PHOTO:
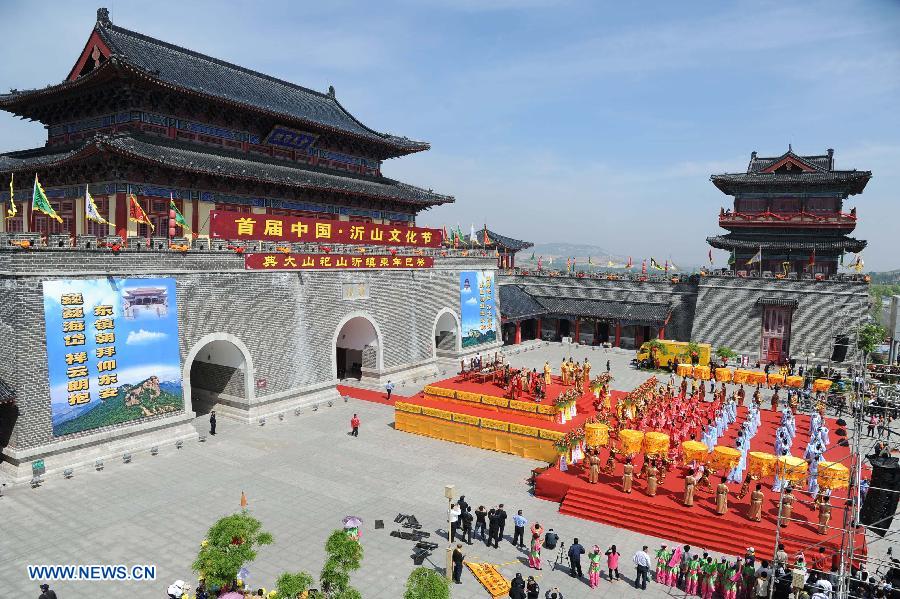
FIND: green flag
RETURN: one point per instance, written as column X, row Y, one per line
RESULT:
column 731, row 258
column 179, row 217
column 532, row 255
column 40, row 202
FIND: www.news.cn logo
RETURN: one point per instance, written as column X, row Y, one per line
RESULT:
column 95, row 572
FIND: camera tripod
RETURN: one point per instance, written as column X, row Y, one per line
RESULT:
column 560, row 556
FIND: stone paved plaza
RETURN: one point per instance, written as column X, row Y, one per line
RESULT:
column 301, row 476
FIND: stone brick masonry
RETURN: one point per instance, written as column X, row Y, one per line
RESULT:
column 285, row 323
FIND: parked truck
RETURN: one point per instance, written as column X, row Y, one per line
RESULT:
column 668, row 351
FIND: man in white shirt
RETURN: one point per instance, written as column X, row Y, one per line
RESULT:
column 453, row 518
column 642, row 563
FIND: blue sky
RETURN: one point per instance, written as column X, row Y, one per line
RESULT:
column 555, row 120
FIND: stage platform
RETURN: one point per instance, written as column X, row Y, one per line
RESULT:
column 495, row 427
column 699, row 526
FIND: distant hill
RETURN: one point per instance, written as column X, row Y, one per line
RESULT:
column 132, row 403
column 477, row 338
column 600, row 257
column 888, row 277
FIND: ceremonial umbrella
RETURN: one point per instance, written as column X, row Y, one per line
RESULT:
column 232, row 595
column 352, row 522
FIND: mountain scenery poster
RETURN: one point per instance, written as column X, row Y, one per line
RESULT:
column 112, row 351
column 478, row 308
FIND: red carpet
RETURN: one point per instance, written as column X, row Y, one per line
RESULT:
column 369, row 395
column 664, row 516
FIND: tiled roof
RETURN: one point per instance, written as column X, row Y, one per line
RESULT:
column 844, row 244
column 625, row 310
column 183, row 69
column 516, row 303
column 496, row 241
column 190, row 158
column 821, row 162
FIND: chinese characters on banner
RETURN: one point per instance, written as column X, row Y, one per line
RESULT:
column 235, row 226
column 278, row 261
column 477, row 306
column 112, row 351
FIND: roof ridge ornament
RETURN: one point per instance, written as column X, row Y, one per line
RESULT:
column 103, row 19
column 331, row 91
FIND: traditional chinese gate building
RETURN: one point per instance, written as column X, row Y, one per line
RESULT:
column 140, row 118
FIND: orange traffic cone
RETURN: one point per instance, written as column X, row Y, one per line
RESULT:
column 243, row 500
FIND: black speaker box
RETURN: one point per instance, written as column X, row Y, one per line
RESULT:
column 880, row 504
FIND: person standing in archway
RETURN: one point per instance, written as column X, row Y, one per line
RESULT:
column 354, row 425
column 212, row 422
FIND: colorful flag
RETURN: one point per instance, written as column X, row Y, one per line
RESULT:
column 532, row 255
column 487, row 240
column 590, row 261
column 540, row 261
column 644, row 266
column 655, row 264
column 40, row 202
column 858, row 265
column 812, row 258
column 550, row 260
column 136, row 214
column 179, row 217
column 445, row 236
column 842, row 258
column 757, row 257
column 90, row 209
column 12, row 210
column 731, row 258
column 710, row 257
column 472, row 237
column 630, row 263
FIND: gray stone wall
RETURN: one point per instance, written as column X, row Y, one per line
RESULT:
column 284, row 322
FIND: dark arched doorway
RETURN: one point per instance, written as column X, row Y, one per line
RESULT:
column 356, row 348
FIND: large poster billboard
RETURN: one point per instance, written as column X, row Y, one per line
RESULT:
column 478, row 308
column 112, row 351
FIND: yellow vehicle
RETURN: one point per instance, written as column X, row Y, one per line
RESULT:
column 668, row 351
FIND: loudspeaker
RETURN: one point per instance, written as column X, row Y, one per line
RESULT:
column 379, row 524
column 841, row 344
column 880, row 503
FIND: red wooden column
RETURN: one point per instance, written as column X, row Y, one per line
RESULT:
column 539, row 329
column 121, row 214
column 577, row 330
column 518, row 333
column 662, row 332
column 618, row 334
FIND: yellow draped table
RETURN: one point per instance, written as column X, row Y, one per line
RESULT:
column 630, row 441
column 776, row 379
column 756, row 378
column 656, row 443
column 833, row 475
column 596, row 434
column 701, row 372
column 740, row 376
column 684, row 369
column 724, row 458
column 821, row 385
column 723, row 375
column 794, row 381
column 694, row 451
column 791, row 468
column 760, row 464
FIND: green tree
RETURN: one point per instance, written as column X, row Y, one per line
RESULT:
column 344, row 555
column 288, row 585
column 870, row 336
column 726, row 352
column 693, row 352
column 425, row 583
column 230, row 543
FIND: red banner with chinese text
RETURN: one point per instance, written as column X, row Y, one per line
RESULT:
column 279, row 261
column 269, row 227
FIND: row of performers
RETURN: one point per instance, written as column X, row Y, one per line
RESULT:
column 518, row 382
column 655, row 469
column 792, row 395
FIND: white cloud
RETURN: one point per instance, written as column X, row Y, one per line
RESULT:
column 143, row 337
column 94, row 292
column 472, row 301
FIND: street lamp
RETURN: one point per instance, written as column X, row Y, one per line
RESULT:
column 449, row 493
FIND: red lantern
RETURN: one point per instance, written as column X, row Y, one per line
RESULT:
column 171, row 223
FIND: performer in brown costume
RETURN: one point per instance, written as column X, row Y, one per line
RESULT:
column 824, row 516
column 690, row 482
column 756, row 502
column 627, row 475
column 722, row 497
column 787, row 506
column 651, row 479
column 594, row 462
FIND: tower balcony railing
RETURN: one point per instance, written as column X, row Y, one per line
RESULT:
column 727, row 218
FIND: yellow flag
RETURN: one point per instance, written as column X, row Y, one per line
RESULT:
column 12, row 210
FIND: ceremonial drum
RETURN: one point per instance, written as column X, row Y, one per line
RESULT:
column 760, row 464
column 656, row 443
column 791, row 468
column 630, row 441
column 776, row 379
column 794, row 381
column 756, row 378
column 684, row 369
column 701, row 372
column 724, row 458
column 821, row 385
column 740, row 376
column 596, row 434
column 694, row 451
column 833, row 475
column 723, row 375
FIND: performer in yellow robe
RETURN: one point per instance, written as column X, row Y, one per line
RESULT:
column 548, row 372
column 564, row 372
column 587, row 373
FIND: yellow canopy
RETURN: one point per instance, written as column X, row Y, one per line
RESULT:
column 791, row 468
column 657, row 443
column 630, row 441
column 596, row 434
column 694, row 451
column 833, row 475
column 760, row 464
column 724, row 458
